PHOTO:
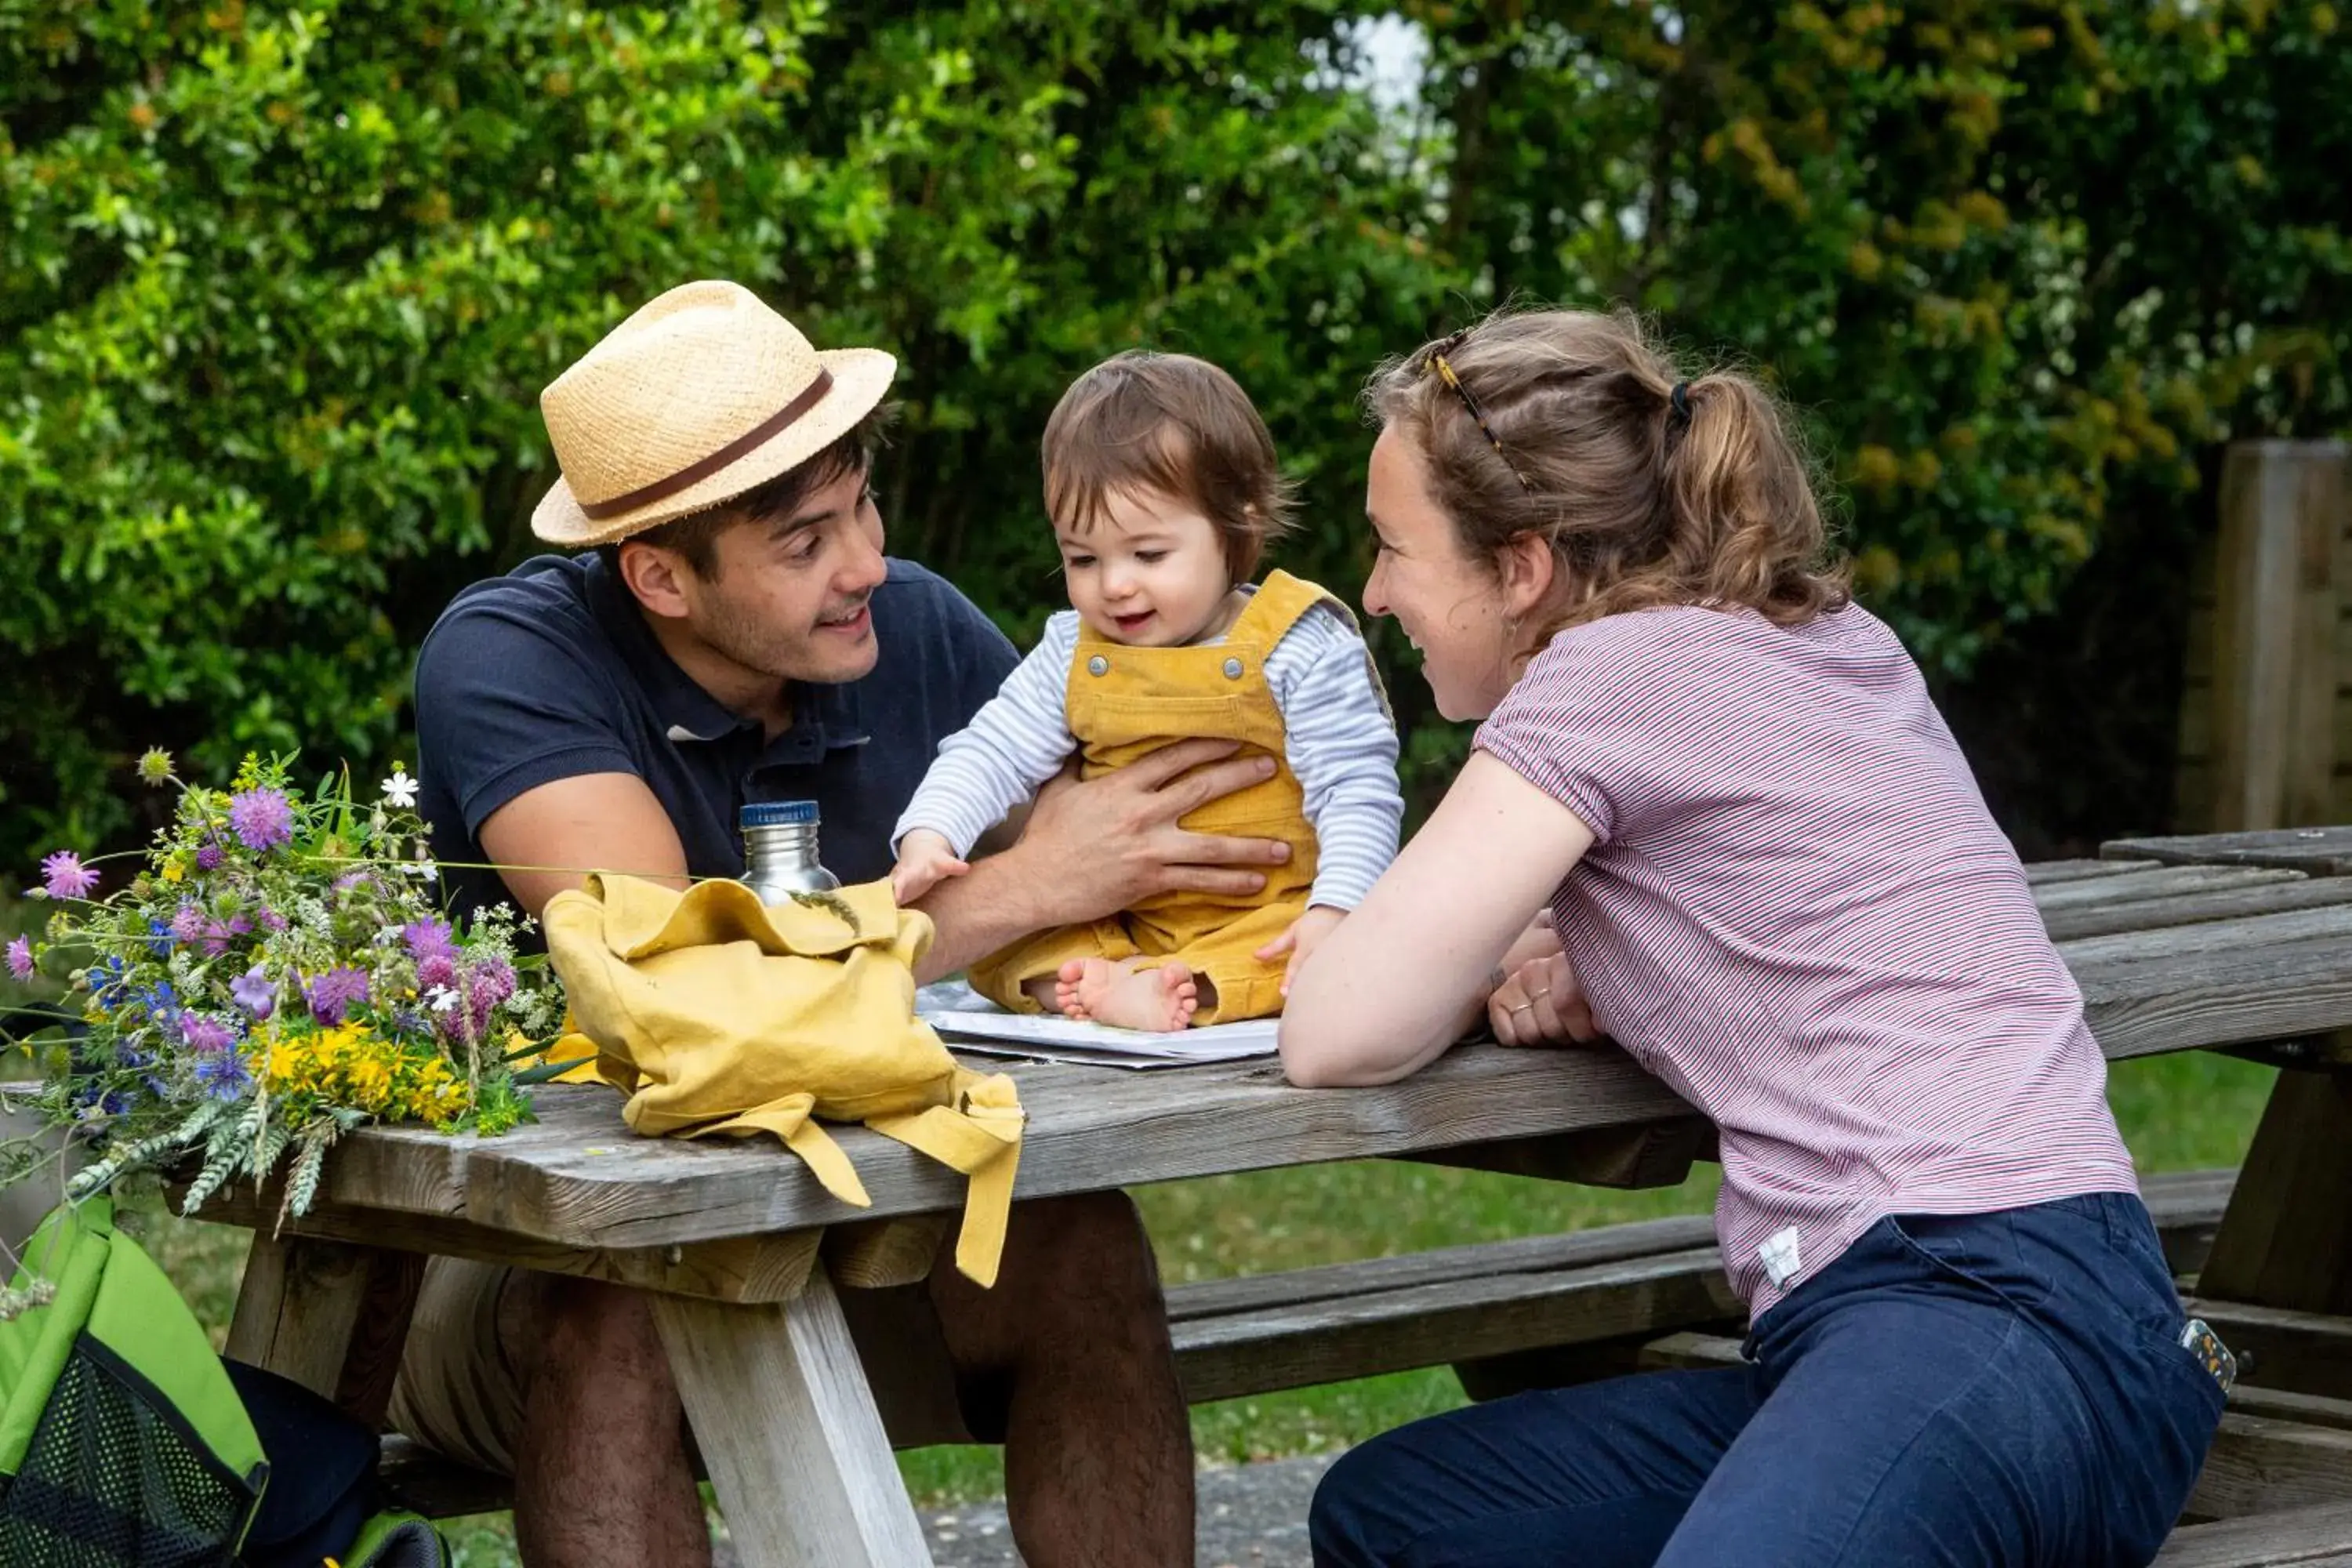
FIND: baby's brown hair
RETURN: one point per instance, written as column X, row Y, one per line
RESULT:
column 1171, row 423
column 1651, row 490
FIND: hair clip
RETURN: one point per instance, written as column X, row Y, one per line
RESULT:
column 1433, row 358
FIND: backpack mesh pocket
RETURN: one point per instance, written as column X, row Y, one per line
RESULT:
column 115, row 1479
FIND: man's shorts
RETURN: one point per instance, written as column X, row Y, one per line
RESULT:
column 460, row 1394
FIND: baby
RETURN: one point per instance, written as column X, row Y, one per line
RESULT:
column 1161, row 483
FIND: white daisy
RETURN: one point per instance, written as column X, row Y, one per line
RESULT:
column 400, row 789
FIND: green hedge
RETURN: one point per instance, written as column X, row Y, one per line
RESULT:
column 282, row 286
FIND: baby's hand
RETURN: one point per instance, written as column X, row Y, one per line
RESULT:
column 1305, row 933
column 925, row 861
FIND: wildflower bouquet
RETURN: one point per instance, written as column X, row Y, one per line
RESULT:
column 276, row 974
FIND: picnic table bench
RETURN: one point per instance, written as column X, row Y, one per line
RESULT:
column 2238, row 943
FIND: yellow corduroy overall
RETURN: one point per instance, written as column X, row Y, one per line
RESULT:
column 1128, row 703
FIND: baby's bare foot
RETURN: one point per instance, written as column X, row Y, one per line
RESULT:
column 1137, row 993
column 1078, row 978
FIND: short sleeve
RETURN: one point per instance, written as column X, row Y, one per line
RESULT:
column 983, row 655
column 502, row 708
column 1598, row 716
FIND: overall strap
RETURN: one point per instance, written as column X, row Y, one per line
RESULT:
column 1277, row 606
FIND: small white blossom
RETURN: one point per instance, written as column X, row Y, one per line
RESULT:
column 400, row 789
column 423, row 870
column 441, row 998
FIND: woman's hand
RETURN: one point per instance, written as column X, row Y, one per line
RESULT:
column 1541, row 1002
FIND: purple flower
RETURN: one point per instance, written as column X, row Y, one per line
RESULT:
column 486, row 985
column 187, row 924
column 255, row 992
column 20, row 958
column 429, row 938
column 205, row 1034
column 208, row 857
column 261, row 818
column 218, row 934
column 272, row 920
column 65, row 876
column 336, row 993
column 436, row 973
column 223, row 1075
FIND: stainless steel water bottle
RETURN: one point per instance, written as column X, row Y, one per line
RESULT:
column 780, row 849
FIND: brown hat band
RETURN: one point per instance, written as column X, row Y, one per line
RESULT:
column 695, row 473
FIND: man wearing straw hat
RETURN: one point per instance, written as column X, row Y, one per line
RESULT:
column 732, row 630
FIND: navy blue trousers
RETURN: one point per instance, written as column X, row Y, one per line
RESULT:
column 2000, row 1389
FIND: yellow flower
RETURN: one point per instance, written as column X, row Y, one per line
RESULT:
column 173, row 871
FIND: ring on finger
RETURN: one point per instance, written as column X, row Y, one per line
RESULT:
column 1522, row 1007
column 1535, row 997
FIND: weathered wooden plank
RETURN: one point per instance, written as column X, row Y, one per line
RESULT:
column 2219, row 947
column 1653, row 1154
column 2317, row 1537
column 298, row 1307
column 2196, row 908
column 802, row 1468
column 2313, row 851
column 731, row 1269
column 2310, row 1353
column 2286, row 1240
column 874, row 1254
column 1567, row 1252
column 2258, row 1466
column 2040, row 874
column 1088, row 1131
column 2185, row 1205
column 2218, row 982
column 2162, row 882
column 582, row 1179
column 1360, row 1336
column 2282, row 505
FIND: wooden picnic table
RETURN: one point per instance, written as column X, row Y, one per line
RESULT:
column 2241, row 941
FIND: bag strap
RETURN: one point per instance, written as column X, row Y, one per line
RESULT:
column 979, row 1135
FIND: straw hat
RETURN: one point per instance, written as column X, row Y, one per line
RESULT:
column 702, row 394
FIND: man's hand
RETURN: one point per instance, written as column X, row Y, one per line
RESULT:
column 925, row 861
column 1300, row 941
column 1113, row 841
column 1092, row 849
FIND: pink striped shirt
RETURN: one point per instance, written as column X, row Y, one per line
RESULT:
column 1798, row 912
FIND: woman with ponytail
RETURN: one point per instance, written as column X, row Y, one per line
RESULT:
column 1712, row 813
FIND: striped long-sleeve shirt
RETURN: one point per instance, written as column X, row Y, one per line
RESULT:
column 1798, row 913
column 1341, row 746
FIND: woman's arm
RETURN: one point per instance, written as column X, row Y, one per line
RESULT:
column 1405, row 974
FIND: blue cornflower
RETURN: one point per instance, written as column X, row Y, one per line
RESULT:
column 223, row 1075
column 107, row 981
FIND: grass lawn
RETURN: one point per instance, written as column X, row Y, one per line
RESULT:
column 2178, row 1112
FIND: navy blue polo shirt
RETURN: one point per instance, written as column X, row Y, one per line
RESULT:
column 550, row 672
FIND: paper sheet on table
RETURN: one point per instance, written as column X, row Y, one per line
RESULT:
column 969, row 1022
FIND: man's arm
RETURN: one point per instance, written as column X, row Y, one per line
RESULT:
column 552, row 836
column 1094, row 849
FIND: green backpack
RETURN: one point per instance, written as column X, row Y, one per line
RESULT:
column 124, row 1441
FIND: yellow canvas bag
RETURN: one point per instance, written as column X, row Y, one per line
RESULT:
column 716, row 1014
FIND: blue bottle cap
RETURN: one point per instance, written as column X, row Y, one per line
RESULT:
column 776, row 812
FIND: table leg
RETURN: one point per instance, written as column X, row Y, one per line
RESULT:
column 2285, row 1239
column 789, row 1430
column 298, row 1308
